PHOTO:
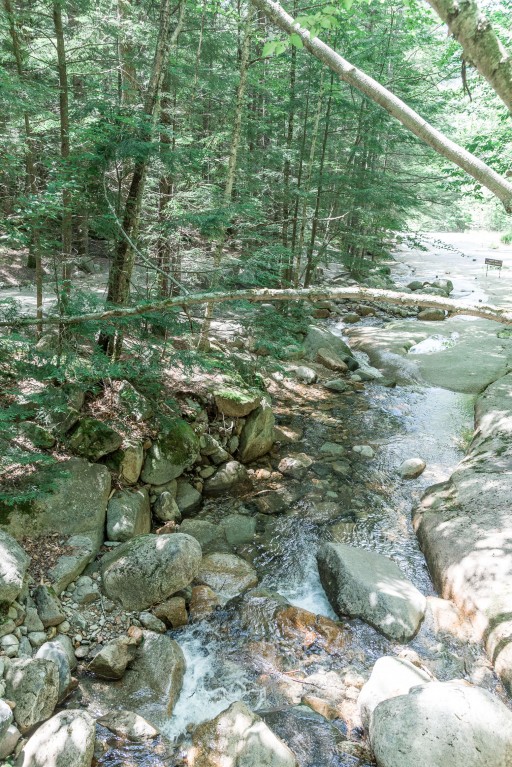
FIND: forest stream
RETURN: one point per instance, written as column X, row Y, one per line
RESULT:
column 238, row 653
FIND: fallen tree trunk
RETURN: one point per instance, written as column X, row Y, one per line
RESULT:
column 479, row 170
column 262, row 295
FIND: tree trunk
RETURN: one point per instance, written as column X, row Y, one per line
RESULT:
column 314, row 225
column 232, row 166
column 480, row 44
column 122, row 266
column 265, row 295
column 67, row 219
column 34, row 256
column 448, row 149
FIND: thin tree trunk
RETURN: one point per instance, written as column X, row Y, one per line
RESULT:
column 314, row 225
column 34, row 256
column 309, row 173
column 67, row 218
column 232, row 167
column 444, row 146
column 122, row 266
column 288, row 164
column 480, row 43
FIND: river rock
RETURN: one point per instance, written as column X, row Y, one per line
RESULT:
column 128, row 725
column 257, row 436
column 127, row 462
column 415, row 285
column 412, row 468
column 363, row 584
column 351, row 318
column 173, row 612
column 238, row 529
column 128, row 515
column 390, row 677
column 55, row 652
column 92, row 439
column 203, row 602
column 150, row 568
column 330, row 360
column 210, row 536
column 151, row 684
column 213, row 450
column 13, row 568
column 441, row 724
column 229, row 476
column 65, row 642
column 337, row 385
column 295, row 465
column 9, row 741
column 66, row 740
column 86, row 591
column 238, row 738
column 464, row 527
column 305, row 374
column 33, row 685
column 112, row 660
column 321, row 338
column 76, row 506
column 166, row 509
column 432, row 315
column 236, row 403
column 227, row 574
column 445, row 285
column 187, row 497
column 176, row 449
column 6, row 719
column 48, row 606
column 366, row 451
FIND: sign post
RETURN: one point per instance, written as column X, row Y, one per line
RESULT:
column 494, row 263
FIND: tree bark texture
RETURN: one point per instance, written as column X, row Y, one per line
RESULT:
column 480, row 44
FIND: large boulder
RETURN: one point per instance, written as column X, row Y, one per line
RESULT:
column 230, row 476
column 66, row 740
column 238, row 738
column 5, row 719
column 127, row 461
column 188, row 498
column 257, row 435
column 464, row 527
column 112, row 660
column 128, row 515
column 150, row 686
column 363, row 584
column 13, row 568
column 92, row 439
column 227, row 574
column 150, row 568
column 442, row 724
column 76, row 506
column 33, row 685
column 321, row 338
column 390, row 677
column 175, row 450
column 236, row 403
column 55, row 652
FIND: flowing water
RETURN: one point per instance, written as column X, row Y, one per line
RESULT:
column 361, row 501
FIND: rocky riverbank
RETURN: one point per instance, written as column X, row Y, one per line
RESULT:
column 206, row 531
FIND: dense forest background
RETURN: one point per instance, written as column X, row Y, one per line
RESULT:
column 151, row 149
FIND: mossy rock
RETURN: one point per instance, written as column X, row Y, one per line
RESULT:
column 134, row 403
column 92, row 439
column 175, row 450
column 236, row 403
column 38, row 435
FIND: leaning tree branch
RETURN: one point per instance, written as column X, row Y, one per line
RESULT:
column 259, row 295
column 376, row 92
column 480, row 43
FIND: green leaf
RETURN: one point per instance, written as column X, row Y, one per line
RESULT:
column 296, row 41
column 269, row 48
